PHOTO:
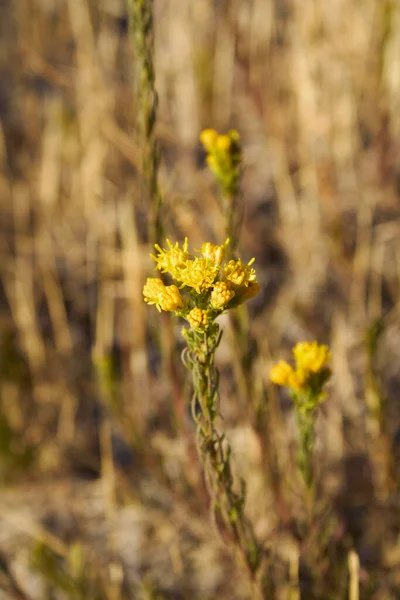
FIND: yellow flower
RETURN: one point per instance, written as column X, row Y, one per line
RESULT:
column 199, row 274
column 223, row 143
column 240, row 274
column 170, row 261
column 212, row 283
column 165, row 297
column 281, row 373
column 172, row 298
column 213, row 252
column 221, row 294
column 311, row 357
column 213, row 163
column 251, row 290
column 310, row 375
column 197, row 318
column 208, row 138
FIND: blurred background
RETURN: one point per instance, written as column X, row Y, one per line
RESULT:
column 101, row 493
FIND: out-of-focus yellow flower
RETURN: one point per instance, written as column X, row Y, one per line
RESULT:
column 199, row 274
column 240, row 274
column 213, row 163
column 221, row 294
column 213, row 252
column 223, row 158
column 223, row 143
column 281, row 373
column 249, row 291
column 170, row 261
column 198, row 318
column 165, row 297
column 208, row 138
column 310, row 356
column 311, row 372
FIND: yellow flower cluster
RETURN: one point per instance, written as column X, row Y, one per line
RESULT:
column 222, row 294
column 173, row 259
column 199, row 274
column 223, row 157
column 238, row 273
column 198, row 318
column 311, row 363
column 310, row 356
column 213, row 252
column 211, row 285
column 165, row 297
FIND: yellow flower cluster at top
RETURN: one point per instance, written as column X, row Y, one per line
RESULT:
column 311, row 372
column 223, row 158
column 209, row 284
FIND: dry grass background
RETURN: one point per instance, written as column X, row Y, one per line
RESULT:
column 101, row 493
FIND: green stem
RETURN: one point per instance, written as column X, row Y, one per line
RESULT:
column 306, row 426
column 213, row 449
column 142, row 35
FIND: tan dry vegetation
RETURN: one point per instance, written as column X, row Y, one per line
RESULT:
column 96, row 441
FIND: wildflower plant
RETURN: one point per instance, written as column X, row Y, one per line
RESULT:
column 306, row 383
column 224, row 159
column 204, row 286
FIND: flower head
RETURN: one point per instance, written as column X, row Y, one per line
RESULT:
column 249, row 291
column 213, row 252
column 208, row 138
column 309, row 376
column 171, row 260
column 198, row 318
column 238, row 273
column 222, row 294
column 213, row 163
column 199, row 274
column 223, row 143
column 223, row 158
column 205, row 282
column 311, row 357
column 281, row 373
column 165, row 297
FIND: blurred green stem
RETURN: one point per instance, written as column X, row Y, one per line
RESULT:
column 306, row 427
column 142, row 35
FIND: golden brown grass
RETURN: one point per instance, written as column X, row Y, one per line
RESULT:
column 96, row 439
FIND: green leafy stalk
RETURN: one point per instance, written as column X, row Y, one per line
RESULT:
column 142, row 36
column 213, row 448
column 306, row 428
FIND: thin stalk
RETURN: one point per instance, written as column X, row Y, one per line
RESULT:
column 233, row 218
column 213, row 449
column 306, row 427
column 142, row 35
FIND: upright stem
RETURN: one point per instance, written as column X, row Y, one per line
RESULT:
column 142, row 36
column 306, row 424
column 213, row 449
column 230, row 206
